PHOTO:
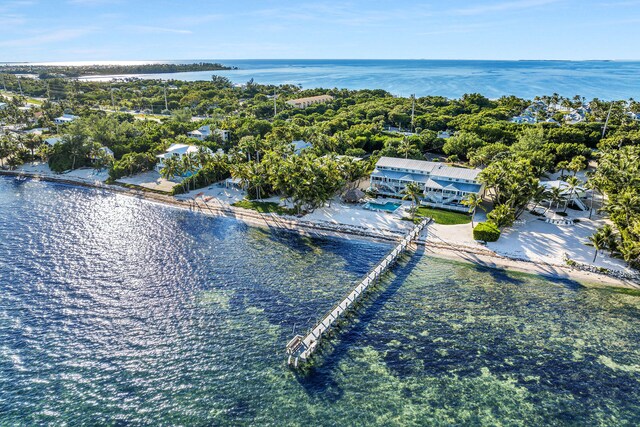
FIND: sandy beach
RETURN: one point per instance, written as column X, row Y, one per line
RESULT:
column 520, row 253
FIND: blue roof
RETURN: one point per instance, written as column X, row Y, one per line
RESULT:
column 439, row 183
column 460, row 186
column 400, row 175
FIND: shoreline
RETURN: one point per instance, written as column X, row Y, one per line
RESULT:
column 484, row 258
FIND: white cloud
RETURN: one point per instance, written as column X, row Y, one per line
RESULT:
column 92, row 2
column 46, row 38
column 502, row 7
column 197, row 20
column 9, row 21
column 151, row 29
column 622, row 3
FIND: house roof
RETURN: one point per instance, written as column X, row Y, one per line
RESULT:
column 318, row 98
column 66, row 117
column 107, row 150
column 179, row 150
column 300, row 145
column 52, row 141
column 433, row 169
column 562, row 185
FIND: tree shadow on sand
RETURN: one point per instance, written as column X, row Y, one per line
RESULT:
column 503, row 275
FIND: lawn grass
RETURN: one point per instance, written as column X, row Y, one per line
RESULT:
column 444, row 217
column 264, row 207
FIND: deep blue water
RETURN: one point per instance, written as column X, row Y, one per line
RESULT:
column 451, row 78
column 118, row 311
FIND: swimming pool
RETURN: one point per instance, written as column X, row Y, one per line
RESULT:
column 387, row 207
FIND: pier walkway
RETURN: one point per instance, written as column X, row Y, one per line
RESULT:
column 301, row 348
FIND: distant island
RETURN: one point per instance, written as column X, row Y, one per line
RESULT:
column 55, row 71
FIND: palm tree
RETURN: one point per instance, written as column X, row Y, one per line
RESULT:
column 609, row 238
column 7, row 149
column 502, row 216
column 31, row 142
column 555, row 196
column 630, row 251
column 540, row 193
column 170, row 168
column 627, row 204
column 189, row 166
column 203, row 156
column 413, row 192
column 572, row 184
column 598, row 242
column 405, row 147
column 593, row 183
column 473, row 202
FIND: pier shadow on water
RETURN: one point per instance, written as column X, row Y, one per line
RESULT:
column 317, row 377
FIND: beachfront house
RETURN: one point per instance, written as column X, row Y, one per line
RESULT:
column 633, row 116
column 524, row 119
column 311, row 100
column 573, row 117
column 65, row 118
column 445, row 134
column 35, row 131
column 103, row 155
column 53, row 141
column 573, row 197
column 204, row 132
column 177, row 151
column 443, row 186
column 299, row 146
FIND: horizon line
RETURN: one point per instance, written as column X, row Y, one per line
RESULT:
column 94, row 61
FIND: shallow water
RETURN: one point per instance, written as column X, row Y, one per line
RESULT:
column 115, row 310
column 451, row 78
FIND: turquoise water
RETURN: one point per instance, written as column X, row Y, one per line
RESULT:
column 451, row 78
column 388, row 206
column 117, row 311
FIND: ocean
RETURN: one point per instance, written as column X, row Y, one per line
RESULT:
column 607, row 80
column 119, row 311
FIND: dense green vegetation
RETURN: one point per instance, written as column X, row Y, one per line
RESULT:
column 514, row 157
column 618, row 177
column 486, row 232
column 53, row 71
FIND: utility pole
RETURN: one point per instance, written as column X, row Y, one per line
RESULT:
column 275, row 104
column 20, row 86
column 166, row 104
column 48, row 92
column 606, row 122
column 113, row 103
column 3, row 84
column 413, row 112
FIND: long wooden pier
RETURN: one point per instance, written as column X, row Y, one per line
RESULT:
column 301, row 348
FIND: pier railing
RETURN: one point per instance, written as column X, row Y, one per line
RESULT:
column 300, row 348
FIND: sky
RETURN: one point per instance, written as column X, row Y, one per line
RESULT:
column 93, row 30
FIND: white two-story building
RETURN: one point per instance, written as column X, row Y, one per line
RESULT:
column 65, row 118
column 204, row 132
column 443, row 186
column 177, row 151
